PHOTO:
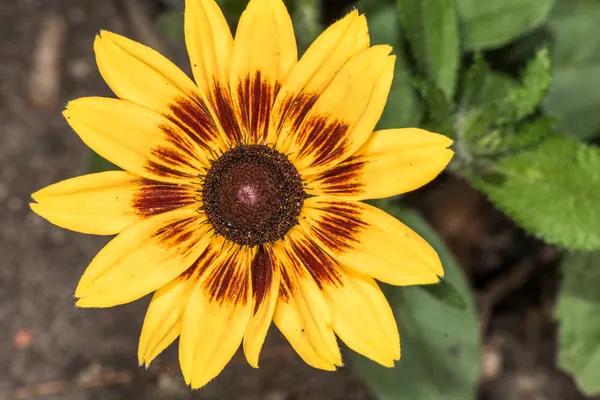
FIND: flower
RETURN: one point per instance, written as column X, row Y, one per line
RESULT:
column 239, row 203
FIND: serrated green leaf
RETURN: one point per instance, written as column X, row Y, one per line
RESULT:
column 491, row 106
column 535, row 81
column 480, row 105
column 511, row 139
column 431, row 29
column 492, row 24
column 99, row 164
column 440, row 342
column 438, row 109
column 552, row 190
column 578, row 315
column 473, row 80
column 574, row 97
column 403, row 107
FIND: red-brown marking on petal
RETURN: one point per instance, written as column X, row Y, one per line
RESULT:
column 294, row 109
column 286, row 285
column 178, row 233
column 262, row 269
column 172, row 159
column 340, row 226
column 343, row 178
column 154, row 197
column 164, row 171
column 228, row 282
column 256, row 96
column 317, row 262
column 322, row 136
column 226, row 113
column 207, row 257
column 192, row 115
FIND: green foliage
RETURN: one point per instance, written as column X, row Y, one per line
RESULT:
column 170, row 24
column 98, row 164
column 403, row 108
column 552, row 190
column 491, row 24
column 492, row 107
column 307, row 24
column 440, row 339
column 523, row 100
column 578, row 315
column 575, row 96
column 439, row 109
column 431, row 29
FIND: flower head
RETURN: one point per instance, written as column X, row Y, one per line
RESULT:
column 239, row 203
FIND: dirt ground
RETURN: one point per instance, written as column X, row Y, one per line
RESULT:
column 51, row 350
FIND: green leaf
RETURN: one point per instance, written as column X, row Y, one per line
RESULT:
column 480, row 107
column 232, row 9
column 535, row 81
column 551, row 190
column 447, row 293
column 98, row 164
column 578, row 315
column 171, row 24
column 511, row 139
column 403, row 107
column 439, row 110
column 431, row 28
column 491, row 106
column 574, row 97
column 440, row 342
column 491, row 24
column 307, row 25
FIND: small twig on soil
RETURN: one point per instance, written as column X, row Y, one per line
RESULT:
column 104, row 379
column 44, row 79
column 142, row 25
column 491, row 295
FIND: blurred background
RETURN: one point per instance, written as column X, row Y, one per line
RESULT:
column 509, row 280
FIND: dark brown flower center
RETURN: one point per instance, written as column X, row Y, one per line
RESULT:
column 252, row 194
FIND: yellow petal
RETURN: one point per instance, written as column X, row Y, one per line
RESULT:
column 144, row 257
column 302, row 314
column 325, row 56
column 98, row 204
column 139, row 74
column 360, row 313
column 341, row 118
column 216, row 317
column 162, row 324
column 362, row 317
column 265, row 290
column 368, row 240
column 143, row 76
column 315, row 70
column 264, row 41
column 392, row 162
column 209, row 43
column 264, row 52
column 136, row 139
column 107, row 202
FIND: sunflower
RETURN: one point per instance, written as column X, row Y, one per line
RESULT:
column 239, row 199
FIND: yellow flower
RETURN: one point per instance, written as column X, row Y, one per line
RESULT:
column 239, row 203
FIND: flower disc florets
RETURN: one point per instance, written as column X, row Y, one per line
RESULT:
column 252, row 195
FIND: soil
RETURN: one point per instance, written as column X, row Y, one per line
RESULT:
column 52, row 350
